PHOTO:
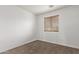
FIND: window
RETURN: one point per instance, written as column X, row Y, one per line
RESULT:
column 51, row 24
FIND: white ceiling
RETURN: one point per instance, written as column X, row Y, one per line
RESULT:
column 38, row 9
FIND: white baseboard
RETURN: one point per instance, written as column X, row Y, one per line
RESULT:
column 18, row 45
column 60, row 43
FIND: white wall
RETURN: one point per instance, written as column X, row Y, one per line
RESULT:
column 68, row 27
column 16, row 27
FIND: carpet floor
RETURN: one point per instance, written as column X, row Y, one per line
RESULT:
column 41, row 47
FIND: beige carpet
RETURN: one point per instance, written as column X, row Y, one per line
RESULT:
column 41, row 47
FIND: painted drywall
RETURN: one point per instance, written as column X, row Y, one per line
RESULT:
column 68, row 27
column 16, row 27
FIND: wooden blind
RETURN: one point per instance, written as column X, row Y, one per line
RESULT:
column 51, row 24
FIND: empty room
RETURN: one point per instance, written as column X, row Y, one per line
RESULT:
column 39, row 29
